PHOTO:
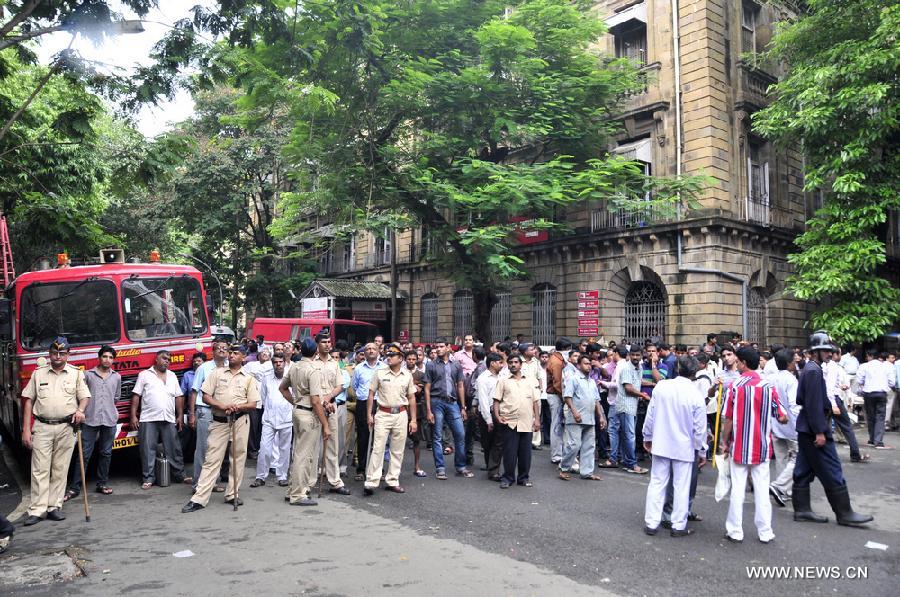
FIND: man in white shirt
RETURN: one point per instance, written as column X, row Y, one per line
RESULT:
column 484, row 392
column 836, row 385
column 675, row 434
column 784, row 434
column 277, row 427
column 157, row 394
column 875, row 378
column 259, row 369
column 531, row 367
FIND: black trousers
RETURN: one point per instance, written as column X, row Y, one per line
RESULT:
column 844, row 423
column 516, row 454
column 471, row 427
column 876, row 405
column 815, row 462
column 6, row 527
column 255, row 431
column 362, row 435
column 602, row 434
column 492, row 445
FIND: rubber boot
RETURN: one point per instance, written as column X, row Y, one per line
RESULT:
column 839, row 498
column 802, row 510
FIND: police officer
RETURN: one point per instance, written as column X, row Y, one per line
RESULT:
column 332, row 387
column 396, row 412
column 56, row 395
column 232, row 393
column 310, row 423
column 817, row 456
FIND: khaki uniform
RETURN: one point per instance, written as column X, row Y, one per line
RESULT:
column 394, row 390
column 331, row 378
column 54, row 395
column 228, row 387
column 305, row 381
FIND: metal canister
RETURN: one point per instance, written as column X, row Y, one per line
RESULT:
column 163, row 473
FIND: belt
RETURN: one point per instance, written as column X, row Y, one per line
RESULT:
column 392, row 409
column 221, row 419
column 449, row 399
column 202, row 406
column 54, row 421
column 301, row 407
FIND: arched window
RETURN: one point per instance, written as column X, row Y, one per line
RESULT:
column 500, row 316
column 429, row 317
column 645, row 312
column 757, row 316
column 463, row 313
column 543, row 314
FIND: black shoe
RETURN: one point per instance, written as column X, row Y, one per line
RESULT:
column 32, row 520
column 305, row 502
column 340, row 490
column 666, row 524
column 258, row 483
column 55, row 515
column 191, row 507
column 732, row 539
column 495, row 478
column 368, row 491
column 802, row 510
column 779, row 497
column 230, row 502
column 283, row 483
column 681, row 533
column 839, row 499
column 651, row 532
column 504, row 484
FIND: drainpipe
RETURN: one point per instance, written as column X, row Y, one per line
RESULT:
column 676, row 53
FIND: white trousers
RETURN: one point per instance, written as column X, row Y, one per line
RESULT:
column 274, row 452
column 763, row 517
column 785, row 457
column 556, row 426
column 656, row 491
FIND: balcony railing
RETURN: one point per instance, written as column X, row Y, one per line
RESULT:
column 757, row 209
column 606, row 217
column 754, row 85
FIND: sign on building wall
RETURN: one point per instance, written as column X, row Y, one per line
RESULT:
column 369, row 310
column 315, row 308
column 588, row 313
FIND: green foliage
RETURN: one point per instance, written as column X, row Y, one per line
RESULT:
column 840, row 104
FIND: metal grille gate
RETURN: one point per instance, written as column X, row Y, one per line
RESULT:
column 500, row 316
column 463, row 313
column 645, row 312
column 757, row 316
column 429, row 317
column 543, row 314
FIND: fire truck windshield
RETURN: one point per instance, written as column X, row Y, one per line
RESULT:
column 163, row 307
column 84, row 311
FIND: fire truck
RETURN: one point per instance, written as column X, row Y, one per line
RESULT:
column 137, row 308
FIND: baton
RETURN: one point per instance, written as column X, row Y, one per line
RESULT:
column 87, row 508
column 322, row 466
column 233, row 461
column 716, row 432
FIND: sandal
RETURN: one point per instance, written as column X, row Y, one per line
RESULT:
column 863, row 458
column 609, row 464
column 637, row 470
column 70, row 494
column 104, row 490
column 420, row 473
column 258, row 482
column 564, row 475
column 441, row 476
column 465, row 473
column 448, row 450
column 146, row 485
column 359, row 477
column 593, row 478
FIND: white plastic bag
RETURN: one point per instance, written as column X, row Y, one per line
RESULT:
column 723, row 483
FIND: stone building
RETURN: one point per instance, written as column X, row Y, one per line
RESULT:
column 722, row 267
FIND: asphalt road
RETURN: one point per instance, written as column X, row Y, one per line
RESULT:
column 458, row 536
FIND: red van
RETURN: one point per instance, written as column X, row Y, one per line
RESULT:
column 282, row 329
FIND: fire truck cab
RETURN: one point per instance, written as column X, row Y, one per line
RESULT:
column 137, row 308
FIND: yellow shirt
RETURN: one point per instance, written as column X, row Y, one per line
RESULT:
column 55, row 394
column 517, row 397
column 229, row 387
column 393, row 389
column 305, row 381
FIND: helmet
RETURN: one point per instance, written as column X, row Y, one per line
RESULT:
column 819, row 340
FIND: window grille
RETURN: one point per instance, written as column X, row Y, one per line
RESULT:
column 543, row 314
column 500, row 316
column 463, row 313
column 632, row 43
column 645, row 312
column 757, row 316
column 429, row 317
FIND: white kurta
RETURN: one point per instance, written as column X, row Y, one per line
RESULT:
column 277, row 430
column 676, row 420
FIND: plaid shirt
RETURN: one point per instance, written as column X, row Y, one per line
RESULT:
column 752, row 403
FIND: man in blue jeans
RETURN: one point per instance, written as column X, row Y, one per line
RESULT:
column 445, row 397
column 628, row 394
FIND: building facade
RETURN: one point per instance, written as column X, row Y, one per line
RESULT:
column 634, row 275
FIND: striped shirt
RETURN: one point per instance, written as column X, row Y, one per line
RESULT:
column 752, row 403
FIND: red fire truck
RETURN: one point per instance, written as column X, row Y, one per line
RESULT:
column 137, row 308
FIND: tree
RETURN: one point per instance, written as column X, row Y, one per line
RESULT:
column 840, row 103
column 456, row 116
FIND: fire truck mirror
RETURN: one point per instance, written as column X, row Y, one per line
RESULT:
column 5, row 320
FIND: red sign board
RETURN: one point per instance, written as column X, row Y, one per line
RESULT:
column 404, row 336
column 589, row 304
column 589, row 294
column 588, row 313
column 587, row 332
column 589, row 322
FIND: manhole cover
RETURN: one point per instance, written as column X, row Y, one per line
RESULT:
column 41, row 568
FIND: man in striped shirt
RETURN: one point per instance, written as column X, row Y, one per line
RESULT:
column 747, row 437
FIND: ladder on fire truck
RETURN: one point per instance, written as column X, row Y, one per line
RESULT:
column 6, row 257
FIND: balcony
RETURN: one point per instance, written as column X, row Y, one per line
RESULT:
column 610, row 217
column 752, row 88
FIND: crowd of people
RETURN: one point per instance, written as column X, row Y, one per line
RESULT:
column 313, row 411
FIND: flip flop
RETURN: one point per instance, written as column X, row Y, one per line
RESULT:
column 564, row 475
column 609, row 464
column 104, row 490
column 70, row 495
column 593, row 478
column 421, row 473
column 146, row 485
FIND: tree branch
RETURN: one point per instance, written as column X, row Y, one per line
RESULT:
column 23, row 14
column 11, row 41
